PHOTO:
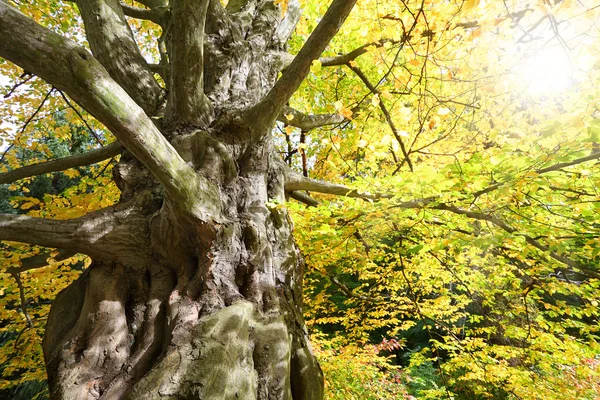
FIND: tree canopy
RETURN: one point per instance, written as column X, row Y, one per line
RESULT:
column 442, row 175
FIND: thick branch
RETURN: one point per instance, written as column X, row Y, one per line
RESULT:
column 73, row 70
column 155, row 15
column 62, row 164
column 264, row 114
column 112, row 43
column 294, row 182
column 154, row 3
column 307, row 122
column 187, row 102
column 116, row 233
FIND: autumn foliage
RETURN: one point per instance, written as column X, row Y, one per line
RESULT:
column 466, row 262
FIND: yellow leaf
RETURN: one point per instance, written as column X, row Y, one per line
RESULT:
column 315, row 66
column 288, row 130
column 470, row 4
column 345, row 112
column 289, row 117
column 27, row 206
column 71, row 173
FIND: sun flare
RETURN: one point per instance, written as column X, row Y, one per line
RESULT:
column 549, row 72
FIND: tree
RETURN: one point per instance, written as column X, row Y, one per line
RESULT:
column 195, row 283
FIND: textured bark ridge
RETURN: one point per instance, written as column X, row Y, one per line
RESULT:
column 195, row 290
column 215, row 313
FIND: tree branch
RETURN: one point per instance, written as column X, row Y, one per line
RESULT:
column 112, row 43
column 551, row 168
column 507, row 228
column 17, row 278
column 39, row 261
column 155, row 15
column 117, row 233
column 154, row 3
column 384, row 110
column 62, row 164
column 187, row 102
column 307, row 122
column 294, row 182
column 74, row 71
column 354, row 54
column 304, row 198
column 264, row 114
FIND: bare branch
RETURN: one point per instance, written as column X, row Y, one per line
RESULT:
column 116, row 233
column 39, row 261
column 89, row 128
column 354, row 54
column 62, row 164
column 264, row 114
column 37, row 110
column 187, row 102
column 155, row 15
column 384, row 110
column 556, row 167
column 112, row 43
column 307, row 122
column 77, row 73
column 551, row 168
column 507, row 228
column 26, row 78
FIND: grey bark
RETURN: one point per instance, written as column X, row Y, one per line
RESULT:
column 62, row 164
column 112, row 43
column 195, row 290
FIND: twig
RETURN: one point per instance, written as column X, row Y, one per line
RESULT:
column 81, row 118
column 23, row 300
column 12, row 90
column 27, row 122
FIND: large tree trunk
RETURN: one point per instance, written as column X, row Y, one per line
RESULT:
column 195, row 290
column 210, row 310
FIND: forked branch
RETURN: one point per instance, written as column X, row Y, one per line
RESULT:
column 78, row 73
column 112, row 43
column 264, row 114
column 354, row 54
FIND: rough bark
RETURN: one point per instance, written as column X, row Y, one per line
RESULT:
column 195, row 290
